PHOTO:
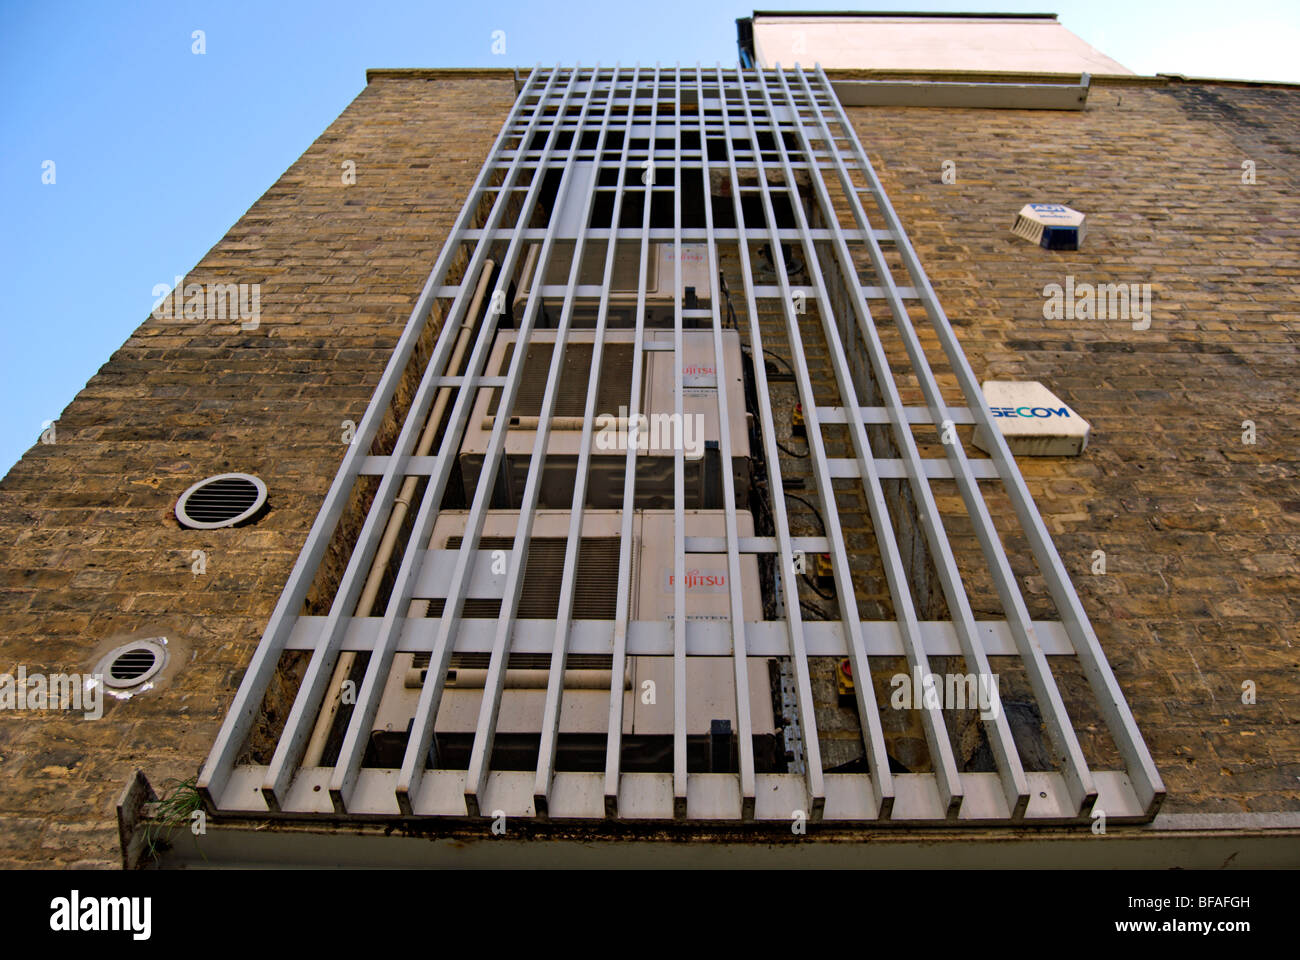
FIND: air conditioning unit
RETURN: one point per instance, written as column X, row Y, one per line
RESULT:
column 698, row 431
column 584, row 711
column 623, row 281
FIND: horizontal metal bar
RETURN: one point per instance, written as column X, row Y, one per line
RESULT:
column 648, row 797
column 744, row 160
column 919, row 415
column 665, row 234
column 935, row 469
column 773, row 292
column 756, row 545
column 590, row 291
column 414, row 466
column 459, row 381
column 704, row 638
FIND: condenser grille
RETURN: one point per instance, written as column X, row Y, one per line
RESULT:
column 596, row 579
column 475, row 608
column 571, row 397
column 756, row 181
column 623, row 276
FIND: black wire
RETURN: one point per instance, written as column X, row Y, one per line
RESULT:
column 792, row 453
column 810, row 506
column 781, row 446
column 772, row 356
column 726, row 293
column 782, row 360
column 812, row 585
column 808, row 579
column 779, row 359
column 821, row 614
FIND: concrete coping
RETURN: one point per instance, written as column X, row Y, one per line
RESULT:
column 970, row 76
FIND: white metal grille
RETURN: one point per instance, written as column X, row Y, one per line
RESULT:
column 755, row 179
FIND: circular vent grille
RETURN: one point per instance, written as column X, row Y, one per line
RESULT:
column 221, row 501
column 132, row 664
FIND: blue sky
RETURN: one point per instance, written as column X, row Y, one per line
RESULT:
column 158, row 151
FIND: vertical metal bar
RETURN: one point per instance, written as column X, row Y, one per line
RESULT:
column 412, row 770
column 739, row 656
column 1014, row 784
column 936, row 734
column 872, row 734
column 1056, row 720
column 614, row 743
column 564, row 611
column 494, row 686
column 679, row 472
column 347, row 766
column 234, row 730
column 1128, row 739
column 794, row 616
column 298, row 726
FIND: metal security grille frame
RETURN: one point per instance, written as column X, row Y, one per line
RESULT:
column 776, row 155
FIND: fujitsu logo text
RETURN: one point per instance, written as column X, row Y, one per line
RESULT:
column 700, row 579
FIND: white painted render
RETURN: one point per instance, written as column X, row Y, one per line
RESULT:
column 927, row 43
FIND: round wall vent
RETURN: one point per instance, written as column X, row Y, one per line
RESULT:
column 132, row 664
column 221, row 501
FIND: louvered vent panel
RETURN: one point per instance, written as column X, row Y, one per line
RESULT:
column 571, row 396
column 595, row 581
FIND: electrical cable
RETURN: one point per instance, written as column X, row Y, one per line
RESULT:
column 817, row 513
column 821, row 614
column 773, row 356
column 808, row 578
column 812, row 585
column 726, row 294
column 780, row 359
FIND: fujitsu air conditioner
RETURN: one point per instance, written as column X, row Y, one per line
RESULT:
column 658, row 433
column 584, row 706
column 623, row 280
